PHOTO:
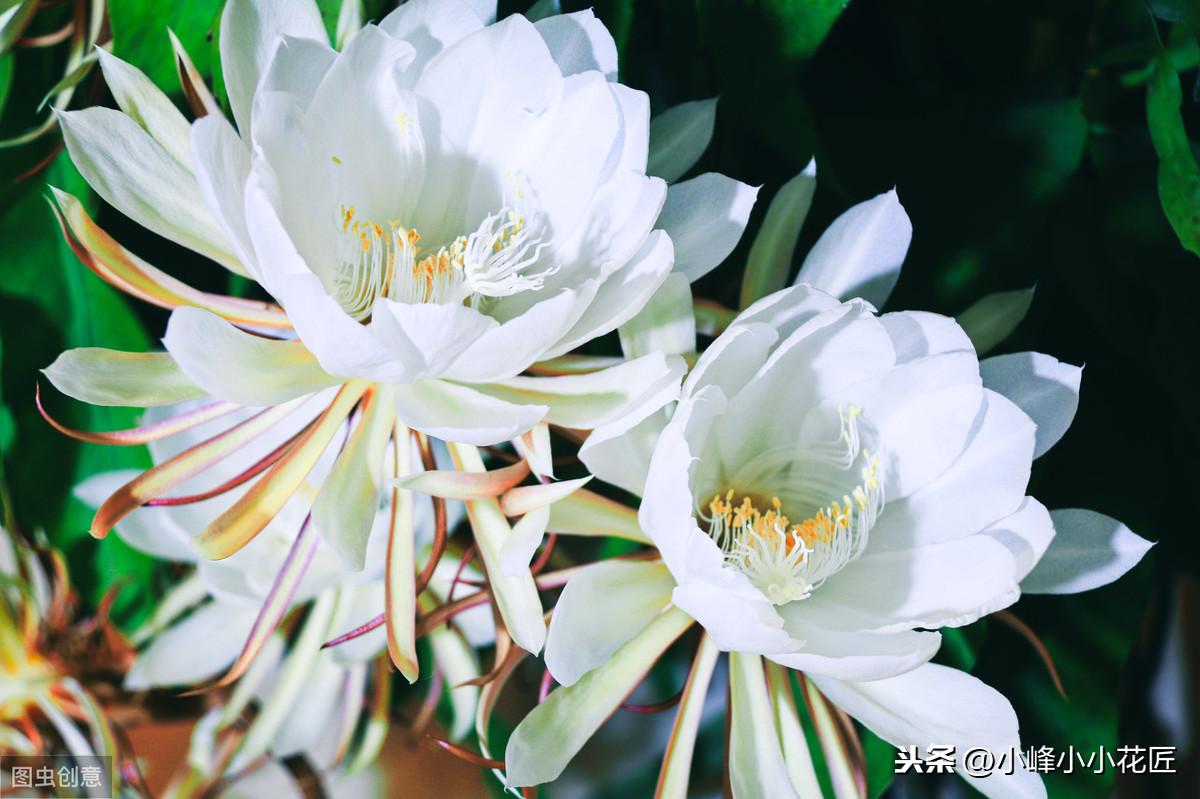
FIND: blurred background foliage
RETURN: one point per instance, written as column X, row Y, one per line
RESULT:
column 1033, row 144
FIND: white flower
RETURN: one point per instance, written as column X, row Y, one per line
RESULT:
column 438, row 206
column 832, row 487
column 436, row 209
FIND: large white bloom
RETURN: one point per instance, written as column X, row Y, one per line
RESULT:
column 438, row 206
column 832, row 487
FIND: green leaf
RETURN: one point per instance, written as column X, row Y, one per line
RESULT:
column 1178, row 172
column 139, row 30
column 50, row 302
column 6, row 78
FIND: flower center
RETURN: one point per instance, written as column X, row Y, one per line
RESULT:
column 788, row 560
column 376, row 260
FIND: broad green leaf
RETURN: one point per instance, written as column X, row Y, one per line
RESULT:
column 50, row 302
column 1178, row 172
column 139, row 31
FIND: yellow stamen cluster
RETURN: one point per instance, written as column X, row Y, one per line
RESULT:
column 786, row 561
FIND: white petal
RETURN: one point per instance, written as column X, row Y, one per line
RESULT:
column 380, row 157
column 786, row 310
column 679, row 136
column 667, row 323
column 990, row 320
column 860, row 254
column 141, row 179
column 833, row 351
column 348, row 501
column 918, row 334
column 457, row 413
column 619, row 453
column 756, row 766
column 430, row 26
column 602, row 607
column 439, row 334
column 579, row 42
column 312, row 717
column 941, row 585
column 583, row 140
column 666, row 513
column 734, row 358
column 509, row 349
column 622, row 294
column 736, row 623
column 296, row 68
column 1089, row 550
column 250, row 31
column 774, row 247
column 147, row 105
column 222, row 163
column 924, row 412
column 853, row 655
column 110, row 377
column 516, row 552
column 635, row 128
column 935, row 705
column 546, row 740
column 479, row 120
column 587, row 401
column 195, row 649
column 1026, row 533
column 986, row 483
column 705, row 217
column 237, row 366
column 1045, row 388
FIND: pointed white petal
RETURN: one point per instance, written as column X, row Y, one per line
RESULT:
column 993, row 317
column 679, row 136
column 935, row 705
column 110, row 377
column 579, row 42
column 250, row 32
column 860, row 254
column 143, row 180
column 1045, row 388
column 145, row 103
column 546, row 740
column 1089, row 550
column 705, row 218
column 756, row 766
column 602, row 607
column 237, row 366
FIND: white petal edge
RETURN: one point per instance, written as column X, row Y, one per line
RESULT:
column 1089, row 550
column 705, row 218
column 860, row 254
column 1044, row 387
